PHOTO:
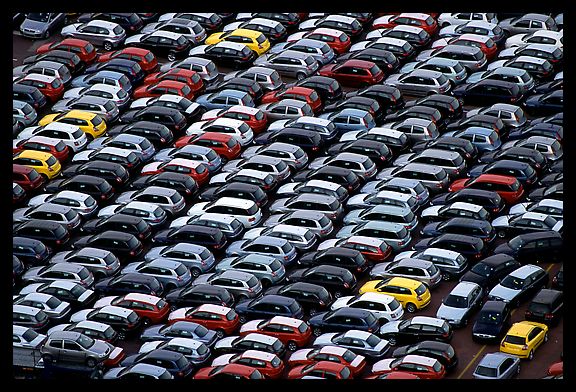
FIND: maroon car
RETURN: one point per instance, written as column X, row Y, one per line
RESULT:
column 354, row 73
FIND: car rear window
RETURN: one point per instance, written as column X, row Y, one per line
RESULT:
column 478, row 55
column 51, row 160
column 343, row 37
column 275, row 265
column 515, row 339
column 70, row 214
column 287, row 247
column 303, row 327
column 252, row 282
column 231, row 315
column 118, row 30
column 486, row 371
column 181, row 270
column 421, row 289
column 110, row 258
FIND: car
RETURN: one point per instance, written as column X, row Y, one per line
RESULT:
column 176, row 363
column 222, row 319
column 359, row 342
column 196, row 352
column 412, row 294
column 102, row 263
column 354, row 72
column 420, row 82
column 236, row 55
column 322, row 370
column 27, row 177
column 122, row 244
column 125, row 321
column 109, row 35
column 151, row 309
column 383, row 197
column 337, row 280
column 469, row 246
column 253, row 117
column 519, row 284
column 528, row 23
column 195, row 169
column 110, row 171
column 224, row 99
column 417, row 269
column 18, row 194
column 250, row 86
column 509, row 188
column 305, row 94
column 310, row 297
column 90, row 123
column 269, row 305
column 550, row 207
column 533, row 246
column 512, row 74
column 44, row 163
column 489, row 91
column 545, row 104
column 348, row 24
column 417, row 329
column 48, row 213
column 350, row 259
column 229, row 371
column 182, row 329
column 159, row 135
column 316, row 221
column 292, row 332
column 24, row 112
column 129, row 283
column 53, row 234
column 383, row 306
column 321, row 51
column 383, row 212
column 451, row 264
column 130, row 68
column 255, row 40
column 419, row 365
column 138, row 371
column 29, row 94
column 458, row 18
column 497, row 366
column 395, row 234
column 41, row 24
column 523, row 338
column 250, row 341
column 509, row 225
column 303, row 239
column 539, row 69
column 191, row 29
column 373, row 249
column 139, row 144
column 377, row 151
column 154, row 215
column 274, row 30
column 172, row 274
column 547, row 307
column 279, row 248
column 435, row 178
column 363, row 166
column 268, row 364
column 56, row 310
column 329, row 205
column 242, row 285
column 308, row 356
column 168, row 199
column 30, row 251
column 464, row 298
column 246, row 211
column 26, row 338
column 467, row 226
column 208, row 237
column 30, row 317
column 173, row 45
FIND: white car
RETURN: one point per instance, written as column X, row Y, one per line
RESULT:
column 237, row 128
column 384, row 42
column 457, row 306
column 300, row 237
column 150, row 212
column 25, row 337
column 258, row 176
column 71, row 135
column 458, row 18
column 248, row 357
column 555, row 38
column 552, row 207
column 173, row 101
column 194, row 350
column 168, row 199
column 115, row 93
column 383, row 306
column 102, row 33
column 84, row 204
column 246, row 211
column 385, row 132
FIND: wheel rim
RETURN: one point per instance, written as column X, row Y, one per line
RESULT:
column 173, row 308
column 445, row 277
column 501, row 234
column 195, row 272
column 410, row 308
column 107, row 46
column 171, row 57
column 312, row 311
column 300, row 76
column 121, row 336
column 242, row 319
column 392, row 341
column 546, row 337
column 317, row 332
column 220, row 334
column 531, row 355
column 292, row 346
column 90, row 362
column 337, row 294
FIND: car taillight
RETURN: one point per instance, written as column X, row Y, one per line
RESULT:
column 524, row 347
column 513, row 99
column 107, row 268
column 132, row 253
column 250, row 290
column 445, row 335
column 439, row 185
column 503, row 344
column 315, row 148
column 528, row 313
column 346, row 285
column 179, row 279
column 419, row 298
column 477, row 255
column 548, row 316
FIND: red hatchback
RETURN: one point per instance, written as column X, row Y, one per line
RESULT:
column 55, row 147
column 191, row 78
column 336, row 39
column 423, row 21
column 294, row 333
column 228, row 372
column 164, row 87
column 225, row 145
column 482, row 42
column 322, row 369
column 354, row 73
column 356, row 363
column 508, row 187
column 270, row 365
column 27, row 177
column 148, row 62
column 305, row 94
column 84, row 49
column 150, row 308
column 421, row 366
column 254, row 117
column 195, row 169
column 51, row 87
column 221, row 319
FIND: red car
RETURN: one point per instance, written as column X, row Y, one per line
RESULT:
column 222, row 319
column 191, row 78
column 148, row 62
column 195, row 169
column 356, row 363
column 556, row 369
column 305, row 94
column 393, row 376
column 508, row 187
column 421, row 366
column 355, row 73
column 371, row 248
column 228, row 372
column 27, row 177
column 55, row 147
column 164, row 87
column 270, row 365
column 425, row 21
column 322, row 369
column 152, row 309
column 84, row 49
column 294, row 333
column 336, row 39
column 254, row 117
column 483, row 42
column 225, row 145
column 51, row 87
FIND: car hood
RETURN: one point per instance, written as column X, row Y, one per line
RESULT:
column 287, row 188
column 250, row 326
column 431, row 229
column 203, row 278
column 222, row 360
column 318, row 163
column 278, row 124
column 473, row 78
column 197, row 208
column 56, row 328
column 477, row 170
column 252, row 234
column 273, row 220
column 225, row 342
column 80, row 315
column 448, row 31
column 450, row 313
column 359, row 46
column 353, row 216
column 220, row 178
column 178, row 222
column 108, row 210
column 35, row 25
column 82, row 156
column 393, row 79
column 379, row 270
column 140, row 103
column 496, row 64
column 404, row 255
column 403, row 159
column 422, row 244
column 383, row 365
column 501, row 221
column 31, row 273
column 104, row 301
column 235, row 247
column 425, row 54
column 346, row 231
column 430, row 211
column 325, row 339
column 341, row 302
column 508, row 53
column 232, row 166
column 385, row 173
column 390, row 327
column 503, row 293
column 152, row 166
column 113, row 373
column 136, row 38
column 31, row 288
column 125, row 197
column 278, row 204
column 357, row 200
column 327, row 244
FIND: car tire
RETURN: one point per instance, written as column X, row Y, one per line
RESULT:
column 411, row 308
column 392, row 341
column 91, row 362
column 121, row 335
column 97, row 275
column 47, row 358
column 545, row 337
column 531, row 355
column 173, row 308
column 337, row 294
column 220, row 333
column 317, row 332
column 195, row 272
column 242, row 297
column 312, row 312
column 501, row 233
column 146, row 321
column 170, row 287
column 446, row 277
column 44, row 177
column 445, row 24
column 242, row 319
column 292, row 346
column 107, row 45
column 171, row 56
column 266, row 283
column 300, row 75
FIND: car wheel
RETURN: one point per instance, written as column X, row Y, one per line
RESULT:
column 173, row 308
column 121, row 335
column 90, row 362
column 219, row 333
column 410, row 308
column 531, row 355
column 300, row 75
column 445, row 24
column 518, row 370
column 170, row 287
column 99, row 275
column 44, row 177
column 446, row 277
column 392, row 341
column 108, row 45
column 292, row 346
column 146, row 321
column 545, row 337
column 242, row 319
column 195, row 272
column 47, row 358
column 501, row 234
column 312, row 312
column 171, row 56
column 242, row 298
column 337, row 294
column 317, row 332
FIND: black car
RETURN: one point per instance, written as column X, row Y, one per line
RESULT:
column 122, row 244
column 158, row 134
column 472, row 248
column 112, row 172
column 129, row 283
column 350, row 259
column 367, row 104
column 377, row 151
column 520, row 154
column 52, row 234
column 492, row 322
column 210, row 21
column 416, row 329
column 268, row 306
column 134, row 225
column 441, row 351
column 229, row 54
column 71, row 60
column 489, row 200
column 554, row 191
column 344, row 319
column 29, row 94
column 97, row 187
column 551, row 179
column 339, row 281
column 171, row 118
column 490, row 270
column 548, row 87
column 546, row 307
column 130, row 68
column 175, row 362
column 449, row 106
column 209, row 237
column 339, row 175
column 489, row 91
column 250, row 86
column 290, row 20
column 467, row 226
column 479, row 120
column 238, row 190
column 30, row 251
column 534, row 247
column 130, row 160
column 543, row 129
column 390, row 98
column 274, row 34
column 183, row 183
column 18, row 268
column 196, row 295
column 309, row 141
column 327, row 88
column 169, row 45
column 311, row 297
column 129, row 21
column 416, row 111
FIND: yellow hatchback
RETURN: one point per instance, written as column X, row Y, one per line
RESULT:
column 44, row 162
column 411, row 293
column 523, row 338
column 255, row 40
column 91, row 123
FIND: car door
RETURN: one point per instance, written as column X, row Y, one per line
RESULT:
column 535, row 338
column 72, row 352
column 506, row 369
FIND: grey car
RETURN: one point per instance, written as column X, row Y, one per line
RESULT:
column 511, row 115
column 420, row 82
column 54, row 308
column 363, row 166
column 294, row 156
column 269, row 270
column 324, row 127
column 75, row 348
column 102, row 263
column 450, row 68
column 279, row 248
column 451, row 161
column 104, row 107
column 286, row 109
column 45, row 67
column 328, row 205
column 528, row 23
column 275, row 166
column 59, row 271
column 291, row 63
column 268, row 78
column 385, row 197
column 168, row 199
column 302, row 238
column 521, row 77
column 316, row 221
column 170, row 273
column 242, row 285
column 450, row 263
column 433, row 177
column 471, row 57
column 321, row 51
column 416, row 129
column 417, row 269
column 399, row 184
column 98, row 32
column 359, row 342
column 456, row 308
column 395, row 214
column 190, row 29
column 139, row 144
column 197, row 258
column 395, row 234
column 41, row 24
column 24, row 112
column 497, row 366
column 49, row 212
column 314, row 186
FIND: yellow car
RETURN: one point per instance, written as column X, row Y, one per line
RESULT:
column 91, row 123
column 44, row 162
column 255, row 40
column 523, row 338
column 411, row 293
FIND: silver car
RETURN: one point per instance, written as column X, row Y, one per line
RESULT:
column 242, row 285
column 433, row 177
column 328, row 205
column 85, row 205
column 458, row 18
column 452, row 69
column 41, row 24
column 45, row 67
column 287, row 108
column 420, row 82
column 363, row 166
column 528, row 23
column 204, row 67
column 457, row 307
column 76, row 348
column 104, row 107
column 398, row 184
column 451, row 161
column 301, row 238
column 197, row 258
column 170, row 273
column 321, row 51
column 115, row 93
column 290, row 63
column 268, row 78
column 471, row 57
column 102, row 263
column 152, row 213
column 396, row 214
column 168, row 199
column 497, row 366
column 417, row 269
column 450, row 263
column 521, row 77
column 316, row 221
column 54, row 308
column 98, row 32
column 138, row 144
column 394, row 234
column 269, row 270
column 190, row 29
column 49, row 212
column 294, row 156
column 511, row 115
column 359, row 342
column 59, row 271
column 275, row 166
column 24, row 112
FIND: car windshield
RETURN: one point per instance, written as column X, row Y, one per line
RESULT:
column 516, row 242
column 201, row 331
column 512, row 282
column 85, row 341
column 53, row 302
column 456, row 301
column 486, row 371
column 39, row 17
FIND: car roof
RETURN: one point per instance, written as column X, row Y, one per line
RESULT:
column 354, row 333
column 69, row 335
column 290, row 229
column 423, row 167
column 521, row 328
column 404, row 282
column 530, row 59
column 269, row 240
column 426, row 73
column 102, row 23
column 291, row 321
column 495, row 306
column 258, row 337
column 414, row 263
column 394, row 195
column 142, row 298
column 234, row 202
column 441, row 252
column 466, row 206
column 217, row 309
column 235, row 274
column 166, row 34
column 146, row 368
column 73, row 195
column 63, row 284
column 264, row 21
column 310, row 197
column 462, row 289
column 525, row 271
column 420, row 359
column 493, row 360
column 437, row 322
column 376, row 297
column 94, row 325
column 323, row 184
column 546, row 295
column 165, row 263
column 116, row 310
column 327, row 31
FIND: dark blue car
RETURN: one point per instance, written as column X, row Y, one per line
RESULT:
column 344, row 319
column 180, row 329
column 474, row 227
column 524, row 172
column 268, row 306
column 545, row 104
column 130, row 68
column 176, row 363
